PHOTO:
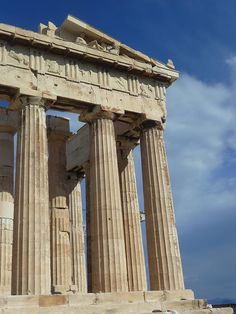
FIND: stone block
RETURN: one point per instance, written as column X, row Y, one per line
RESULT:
column 184, row 305
column 52, row 300
column 176, row 295
column 110, row 303
column 153, row 296
column 82, row 299
column 119, row 297
column 3, row 301
column 24, row 301
column 227, row 310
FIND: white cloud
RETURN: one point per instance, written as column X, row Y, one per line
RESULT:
column 200, row 124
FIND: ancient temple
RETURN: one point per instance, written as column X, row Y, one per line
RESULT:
column 47, row 263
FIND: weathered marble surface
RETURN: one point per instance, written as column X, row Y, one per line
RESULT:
column 118, row 92
column 162, row 240
column 108, row 263
column 176, row 302
column 79, row 278
column 137, row 280
column 61, row 255
column 31, row 239
column 8, row 126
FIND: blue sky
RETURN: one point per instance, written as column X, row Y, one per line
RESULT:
column 199, row 35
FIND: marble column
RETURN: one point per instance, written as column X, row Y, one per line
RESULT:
column 163, row 248
column 108, row 262
column 79, row 279
column 61, row 257
column 8, row 126
column 31, row 239
column 88, row 229
column 131, row 218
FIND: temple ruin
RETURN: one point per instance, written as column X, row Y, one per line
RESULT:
column 47, row 264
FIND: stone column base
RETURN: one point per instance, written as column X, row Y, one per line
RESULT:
column 175, row 302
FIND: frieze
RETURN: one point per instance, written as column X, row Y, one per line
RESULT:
column 88, row 73
column 146, row 90
column 3, row 53
column 103, row 78
column 53, row 67
column 119, row 82
column 36, row 61
column 133, row 84
column 72, row 70
column 17, row 56
column 160, row 92
column 80, row 71
column 160, row 95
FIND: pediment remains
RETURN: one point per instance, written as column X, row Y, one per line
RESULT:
column 77, row 31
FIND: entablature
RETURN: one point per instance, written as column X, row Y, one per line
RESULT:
column 81, row 75
column 118, row 55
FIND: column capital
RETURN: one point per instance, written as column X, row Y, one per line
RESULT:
column 96, row 114
column 148, row 124
column 25, row 100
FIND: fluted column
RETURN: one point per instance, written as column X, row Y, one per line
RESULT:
column 31, row 240
column 163, row 248
column 8, row 126
column 88, row 229
column 79, row 279
column 61, row 257
column 108, row 262
column 131, row 218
